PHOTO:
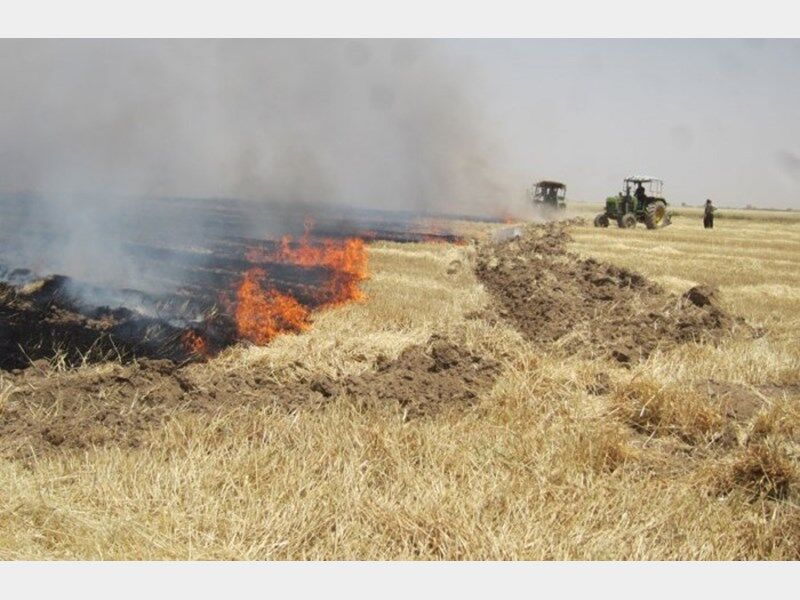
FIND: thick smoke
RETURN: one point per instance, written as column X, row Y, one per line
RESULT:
column 377, row 123
column 94, row 132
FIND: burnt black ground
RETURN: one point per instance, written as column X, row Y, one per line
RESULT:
column 132, row 276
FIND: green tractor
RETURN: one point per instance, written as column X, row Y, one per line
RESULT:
column 645, row 204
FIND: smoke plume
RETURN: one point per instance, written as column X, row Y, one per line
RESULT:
column 375, row 123
column 98, row 138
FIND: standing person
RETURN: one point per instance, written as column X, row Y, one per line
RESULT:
column 708, row 215
column 626, row 199
column 641, row 196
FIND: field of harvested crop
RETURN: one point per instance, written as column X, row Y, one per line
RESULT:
column 558, row 396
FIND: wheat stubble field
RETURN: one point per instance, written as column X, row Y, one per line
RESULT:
column 690, row 453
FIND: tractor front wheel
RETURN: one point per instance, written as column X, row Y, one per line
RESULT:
column 655, row 215
column 601, row 220
column 628, row 221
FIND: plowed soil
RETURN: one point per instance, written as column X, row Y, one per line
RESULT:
column 119, row 404
column 426, row 381
column 557, row 299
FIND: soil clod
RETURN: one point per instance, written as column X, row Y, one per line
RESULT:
column 425, row 381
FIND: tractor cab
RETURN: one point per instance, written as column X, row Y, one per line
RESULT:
column 650, row 186
column 640, row 201
column 548, row 194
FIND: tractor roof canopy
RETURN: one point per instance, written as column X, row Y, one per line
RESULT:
column 551, row 184
column 643, row 179
column 654, row 185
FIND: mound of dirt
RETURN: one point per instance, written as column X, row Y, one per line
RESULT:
column 83, row 408
column 555, row 298
column 118, row 404
column 742, row 402
column 424, row 381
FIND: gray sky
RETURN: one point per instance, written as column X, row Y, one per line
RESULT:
column 439, row 125
column 713, row 118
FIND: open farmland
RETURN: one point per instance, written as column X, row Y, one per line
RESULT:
column 423, row 422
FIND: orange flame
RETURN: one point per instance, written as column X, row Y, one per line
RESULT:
column 346, row 259
column 194, row 343
column 506, row 216
column 261, row 315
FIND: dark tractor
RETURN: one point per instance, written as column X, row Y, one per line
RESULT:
column 641, row 201
column 548, row 195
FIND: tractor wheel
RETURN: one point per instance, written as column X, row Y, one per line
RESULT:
column 601, row 220
column 628, row 221
column 655, row 215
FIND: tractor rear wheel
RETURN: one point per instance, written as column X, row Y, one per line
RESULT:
column 601, row 220
column 655, row 215
column 628, row 221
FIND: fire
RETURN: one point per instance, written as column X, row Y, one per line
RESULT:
column 506, row 216
column 194, row 343
column 262, row 314
column 339, row 255
column 261, row 309
column 346, row 260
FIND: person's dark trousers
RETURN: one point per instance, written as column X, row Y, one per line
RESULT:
column 708, row 221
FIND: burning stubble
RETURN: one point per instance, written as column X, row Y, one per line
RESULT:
column 102, row 142
column 261, row 312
